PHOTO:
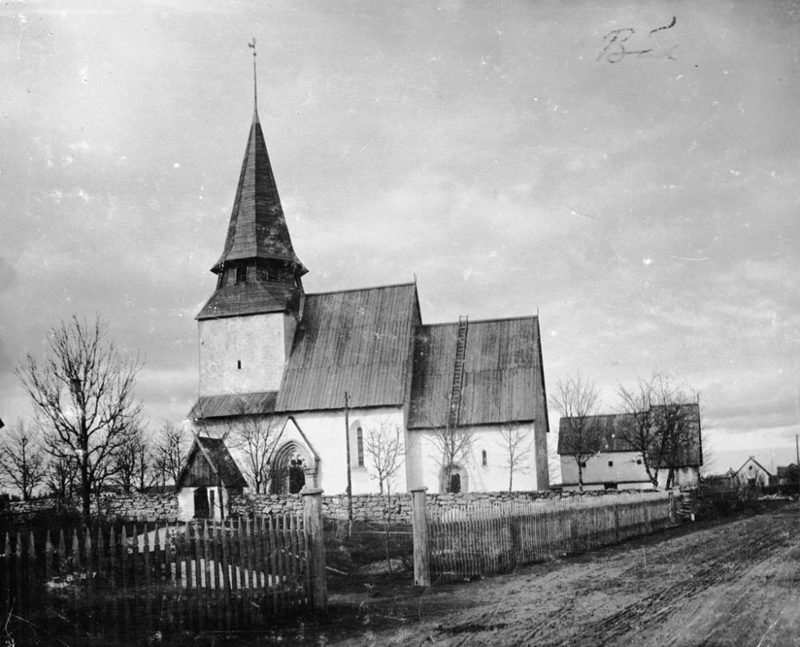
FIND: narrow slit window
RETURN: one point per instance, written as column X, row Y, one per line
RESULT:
column 360, row 446
column 484, row 458
column 238, row 363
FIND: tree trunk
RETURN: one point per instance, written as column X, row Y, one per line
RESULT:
column 86, row 490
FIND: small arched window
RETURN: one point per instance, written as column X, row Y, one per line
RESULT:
column 484, row 458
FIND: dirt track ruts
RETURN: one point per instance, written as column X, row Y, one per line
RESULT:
column 729, row 584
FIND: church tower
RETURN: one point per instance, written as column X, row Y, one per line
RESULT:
column 247, row 326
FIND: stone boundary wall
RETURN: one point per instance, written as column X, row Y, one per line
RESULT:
column 142, row 507
column 163, row 507
column 374, row 507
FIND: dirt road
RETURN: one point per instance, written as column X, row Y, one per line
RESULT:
column 730, row 584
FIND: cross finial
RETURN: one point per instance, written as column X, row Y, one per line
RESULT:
column 255, row 81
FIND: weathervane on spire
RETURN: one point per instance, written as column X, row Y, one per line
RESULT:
column 255, row 82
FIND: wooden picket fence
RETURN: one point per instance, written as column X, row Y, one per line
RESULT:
column 484, row 539
column 126, row 580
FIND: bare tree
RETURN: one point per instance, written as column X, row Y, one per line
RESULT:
column 517, row 447
column 384, row 448
column 453, row 446
column 22, row 460
column 255, row 437
column 82, row 393
column 676, row 419
column 133, row 463
column 639, row 432
column 576, row 400
column 660, row 425
column 61, row 474
column 169, row 453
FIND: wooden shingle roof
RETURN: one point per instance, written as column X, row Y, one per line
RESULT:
column 356, row 341
column 255, row 297
column 610, row 437
column 607, row 436
column 210, row 463
column 238, row 404
column 257, row 227
column 502, row 375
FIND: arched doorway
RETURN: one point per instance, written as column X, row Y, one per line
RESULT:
column 454, row 480
column 288, row 473
column 201, row 507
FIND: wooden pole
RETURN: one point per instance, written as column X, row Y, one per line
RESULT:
column 797, row 471
column 312, row 521
column 349, row 474
column 422, row 572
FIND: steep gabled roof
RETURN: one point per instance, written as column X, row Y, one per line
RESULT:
column 210, row 463
column 257, row 227
column 356, row 341
column 755, row 462
column 502, row 375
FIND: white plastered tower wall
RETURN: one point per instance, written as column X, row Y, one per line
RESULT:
column 243, row 354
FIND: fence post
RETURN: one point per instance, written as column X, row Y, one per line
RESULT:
column 422, row 571
column 673, row 509
column 312, row 520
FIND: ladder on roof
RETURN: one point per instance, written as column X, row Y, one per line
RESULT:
column 458, row 372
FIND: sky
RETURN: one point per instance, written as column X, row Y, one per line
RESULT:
column 629, row 170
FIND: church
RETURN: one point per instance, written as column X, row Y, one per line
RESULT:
column 333, row 379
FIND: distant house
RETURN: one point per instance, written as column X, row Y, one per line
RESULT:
column 615, row 464
column 752, row 474
column 787, row 475
column 208, row 479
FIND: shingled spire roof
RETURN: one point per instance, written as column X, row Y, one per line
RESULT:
column 257, row 227
column 258, row 271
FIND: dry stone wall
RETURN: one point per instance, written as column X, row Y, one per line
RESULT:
column 163, row 507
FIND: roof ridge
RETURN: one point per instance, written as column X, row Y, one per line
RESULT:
column 367, row 289
column 479, row 321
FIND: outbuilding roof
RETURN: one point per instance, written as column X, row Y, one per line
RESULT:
column 606, row 435
column 609, row 434
column 210, row 463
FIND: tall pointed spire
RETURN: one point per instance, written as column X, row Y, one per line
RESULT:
column 258, row 257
